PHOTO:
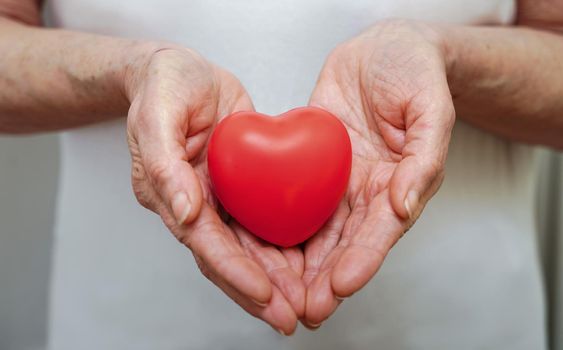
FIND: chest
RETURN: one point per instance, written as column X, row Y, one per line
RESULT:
column 263, row 41
column 165, row 18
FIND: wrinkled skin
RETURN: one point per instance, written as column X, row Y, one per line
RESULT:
column 389, row 87
column 176, row 99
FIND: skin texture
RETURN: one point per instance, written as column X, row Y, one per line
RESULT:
column 49, row 79
column 394, row 86
column 394, row 99
column 26, row 11
column 173, row 98
column 169, row 124
column 534, row 68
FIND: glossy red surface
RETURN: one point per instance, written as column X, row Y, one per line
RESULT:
column 280, row 177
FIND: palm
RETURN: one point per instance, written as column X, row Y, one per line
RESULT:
column 169, row 125
column 283, row 267
column 383, row 106
column 238, row 261
column 374, row 163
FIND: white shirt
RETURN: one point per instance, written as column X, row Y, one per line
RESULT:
column 467, row 276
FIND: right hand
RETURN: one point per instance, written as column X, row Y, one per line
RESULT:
column 389, row 88
column 177, row 98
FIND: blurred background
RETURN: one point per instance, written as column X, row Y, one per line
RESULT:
column 28, row 184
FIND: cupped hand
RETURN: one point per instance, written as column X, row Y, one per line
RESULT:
column 389, row 88
column 177, row 97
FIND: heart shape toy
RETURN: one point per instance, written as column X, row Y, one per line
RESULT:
column 280, row 177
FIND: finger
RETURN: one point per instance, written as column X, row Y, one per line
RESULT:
column 367, row 248
column 323, row 242
column 321, row 258
column 160, row 130
column 235, row 96
column 219, row 249
column 321, row 300
column 276, row 266
column 277, row 313
column 420, row 172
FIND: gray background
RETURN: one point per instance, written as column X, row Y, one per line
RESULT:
column 28, row 183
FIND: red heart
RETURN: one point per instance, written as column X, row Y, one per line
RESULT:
column 282, row 177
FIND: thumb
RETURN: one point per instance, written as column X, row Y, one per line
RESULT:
column 178, row 186
column 162, row 143
column 421, row 170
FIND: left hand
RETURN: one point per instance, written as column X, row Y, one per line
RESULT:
column 389, row 88
column 177, row 97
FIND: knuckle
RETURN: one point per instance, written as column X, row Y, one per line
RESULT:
column 437, row 183
column 450, row 115
column 205, row 271
column 435, row 168
column 138, row 173
column 440, row 177
column 142, row 196
column 159, row 173
column 186, row 240
column 141, row 189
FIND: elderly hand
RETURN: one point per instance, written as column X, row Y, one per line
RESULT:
column 389, row 87
column 177, row 97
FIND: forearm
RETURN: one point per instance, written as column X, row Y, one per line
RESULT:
column 508, row 81
column 54, row 79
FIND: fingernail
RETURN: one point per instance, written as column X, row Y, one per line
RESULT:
column 314, row 325
column 181, row 207
column 280, row 331
column 339, row 298
column 259, row 303
column 411, row 202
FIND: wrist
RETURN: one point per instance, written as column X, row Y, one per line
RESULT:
column 144, row 59
column 134, row 60
column 417, row 34
column 451, row 47
column 446, row 43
